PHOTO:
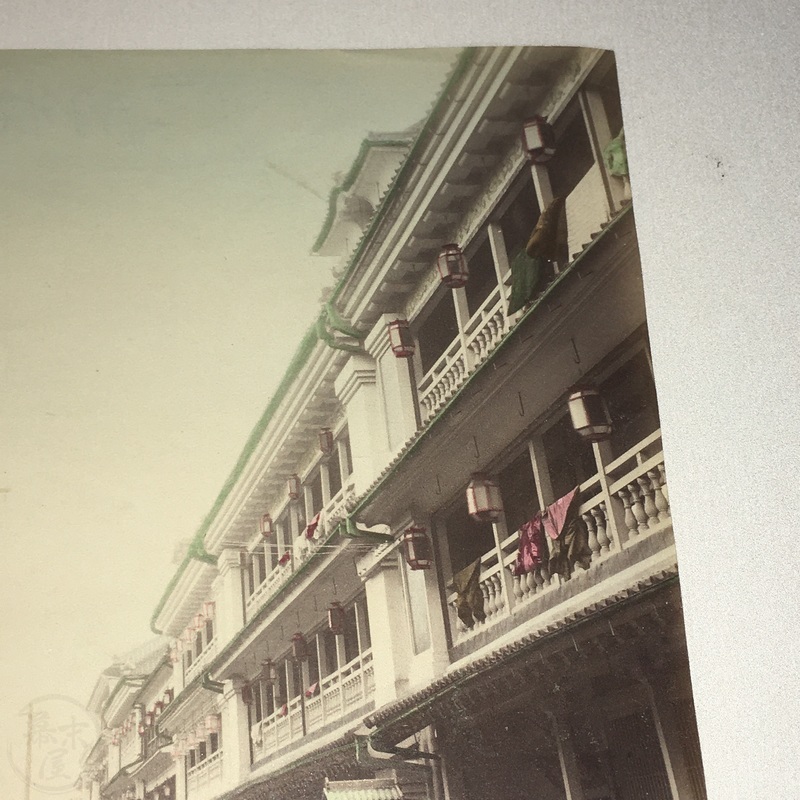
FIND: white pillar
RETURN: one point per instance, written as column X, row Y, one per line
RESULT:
column 397, row 388
column 229, row 613
column 235, row 735
column 356, row 389
column 391, row 637
column 573, row 790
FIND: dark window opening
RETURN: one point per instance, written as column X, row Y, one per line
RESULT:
column 269, row 700
column 366, row 639
column 213, row 742
column 198, row 642
column 467, row 540
column 631, row 398
column 209, row 630
column 192, row 758
column 202, row 751
column 283, row 691
column 438, row 331
column 316, row 492
column 573, row 158
column 570, row 459
column 255, row 691
column 329, row 649
column 482, row 276
column 313, row 661
column 350, row 635
column 261, row 563
column 348, row 455
column 297, row 677
column 604, row 81
column 518, row 489
column 334, row 473
column 519, row 220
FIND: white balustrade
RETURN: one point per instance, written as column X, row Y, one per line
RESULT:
column 202, row 779
column 337, row 694
column 636, row 504
column 209, row 651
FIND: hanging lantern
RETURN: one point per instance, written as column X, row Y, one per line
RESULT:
column 483, row 498
column 200, row 732
column 589, row 413
column 213, row 723
column 400, row 339
column 538, row 139
column 115, row 741
column 142, row 730
column 294, row 487
column 168, row 695
column 191, row 740
column 269, row 672
column 173, row 654
column 158, row 708
column 247, row 695
column 198, row 623
column 336, row 617
column 299, row 647
column 326, row 441
column 265, row 527
column 452, row 266
column 148, row 718
column 188, row 637
column 167, row 790
column 417, row 549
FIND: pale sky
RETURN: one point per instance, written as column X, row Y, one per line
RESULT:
column 156, row 279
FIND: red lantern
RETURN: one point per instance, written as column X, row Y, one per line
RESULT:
column 208, row 609
column 538, row 139
column 269, row 672
column 158, row 708
column 142, row 730
column 483, row 499
column 148, row 718
column 417, row 549
column 336, row 617
column 294, row 487
column 199, row 622
column 400, row 339
column 452, row 266
column 168, row 695
column 299, row 647
column 326, row 441
column 589, row 414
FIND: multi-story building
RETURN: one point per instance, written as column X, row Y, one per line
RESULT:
column 426, row 575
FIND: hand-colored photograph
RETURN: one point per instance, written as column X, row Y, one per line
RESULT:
column 337, row 448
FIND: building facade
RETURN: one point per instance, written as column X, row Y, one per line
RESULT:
column 444, row 566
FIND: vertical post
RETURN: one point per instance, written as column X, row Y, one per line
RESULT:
column 573, row 789
column 502, row 268
column 596, row 119
column 462, row 318
column 615, row 522
column 236, row 731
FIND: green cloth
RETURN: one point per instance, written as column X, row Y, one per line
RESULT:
column 469, row 597
column 616, row 156
column 526, row 275
column 550, row 232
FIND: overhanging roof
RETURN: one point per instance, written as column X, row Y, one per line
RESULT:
column 369, row 789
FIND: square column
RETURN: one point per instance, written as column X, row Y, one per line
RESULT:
column 228, row 589
column 236, row 755
column 356, row 388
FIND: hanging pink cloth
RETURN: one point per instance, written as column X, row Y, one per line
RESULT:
column 569, row 544
column 555, row 515
column 532, row 548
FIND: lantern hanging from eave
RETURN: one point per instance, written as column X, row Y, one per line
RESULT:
column 247, row 695
column 209, row 607
column 168, row 695
column 142, row 730
column 198, row 623
column 589, row 413
column 269, row 672
column 299, row 647
column 538, row 139
column 417, row 549
column 188, row 637
column 167, row 790
column 326, row 441
column 265, row 527
column 400, row 338
column 336, row 618
column 158, row 707
column 148, row 719
column 452, row 266
column 294, row 487
column 212, row 723
column 484, row 501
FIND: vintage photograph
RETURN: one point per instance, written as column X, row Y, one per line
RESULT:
column 382, row 510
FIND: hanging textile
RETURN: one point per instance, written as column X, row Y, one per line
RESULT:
column 469, row 597
column 312, row 690
column 550, row 233
column 616, row 156
column 532, row 548
column 316, row 524
column 569, row 542
column 526, row 275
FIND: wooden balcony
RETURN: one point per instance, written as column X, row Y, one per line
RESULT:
column 204, row 780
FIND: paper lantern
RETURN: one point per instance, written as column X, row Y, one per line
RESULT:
column 269, row 672
column 247, row 695
column 213, row 723
column 538, row 139
column 589, row 413
column 208, row 609
column 265, row 527
column 452, row 266
column 336, row 618
column 299, row 647
column 400, row 338
column 483, row 498
column 294, row 487
column 326, row 441
column 148, row 718
column 417, row 549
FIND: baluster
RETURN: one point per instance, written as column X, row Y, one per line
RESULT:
column 658, row 495
column 516, row 586
column 594, row 545
column 500, row 600
column 489, row 602
column 664, row 489
column 601, row 519
column 630, row 520
column 637, row 507
column 649, row 504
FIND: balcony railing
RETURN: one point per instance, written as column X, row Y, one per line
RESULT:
column 624, row 504
column 202, row 779
column 586, row 211
column 337, row 695
column 209, row 651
